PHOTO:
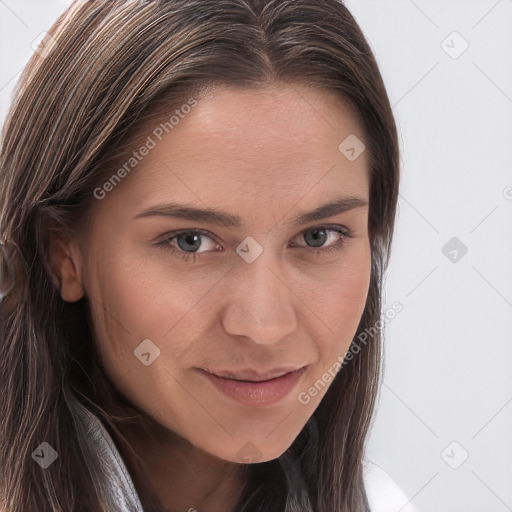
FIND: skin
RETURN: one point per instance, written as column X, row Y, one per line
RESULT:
column 263, row 155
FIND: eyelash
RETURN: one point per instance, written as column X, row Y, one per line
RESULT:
column 166, row 243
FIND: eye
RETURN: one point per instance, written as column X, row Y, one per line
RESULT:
column 185, row 240
column 321, row 234
column 189, row 241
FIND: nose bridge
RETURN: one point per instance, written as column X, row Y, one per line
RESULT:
column 260, row 302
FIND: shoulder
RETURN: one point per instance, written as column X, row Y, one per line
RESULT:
column 384, row 494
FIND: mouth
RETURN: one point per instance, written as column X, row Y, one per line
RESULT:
column 249, row 375
column 253, row 389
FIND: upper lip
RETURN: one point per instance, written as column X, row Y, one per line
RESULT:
column 252, row 375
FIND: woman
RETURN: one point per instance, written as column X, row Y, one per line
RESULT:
column 140, row 372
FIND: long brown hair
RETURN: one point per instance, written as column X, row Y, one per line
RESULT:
column 106, row 67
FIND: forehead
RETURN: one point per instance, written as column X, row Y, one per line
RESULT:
column 259, row 145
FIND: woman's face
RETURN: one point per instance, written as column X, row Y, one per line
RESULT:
column 262, row 288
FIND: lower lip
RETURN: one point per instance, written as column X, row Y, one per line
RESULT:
column 267, row 392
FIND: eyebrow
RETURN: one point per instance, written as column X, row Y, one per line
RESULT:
column 222, row 218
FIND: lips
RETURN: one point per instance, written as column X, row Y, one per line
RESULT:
column 269, row 388
column 249, row 375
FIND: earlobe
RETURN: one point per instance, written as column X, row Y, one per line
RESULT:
column 65, row 263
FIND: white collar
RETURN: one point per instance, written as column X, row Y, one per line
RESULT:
column 384, row 495
column 119, row 484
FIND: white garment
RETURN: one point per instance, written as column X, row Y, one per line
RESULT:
column 384, row 495
column 118, row 481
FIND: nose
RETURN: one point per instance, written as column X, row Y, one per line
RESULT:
column 260, row 303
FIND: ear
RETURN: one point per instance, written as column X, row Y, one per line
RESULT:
column 66, row 265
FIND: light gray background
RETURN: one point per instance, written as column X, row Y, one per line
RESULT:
column 448, row 353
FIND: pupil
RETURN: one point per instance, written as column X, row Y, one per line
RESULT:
column 318, row 241
column 190, row 239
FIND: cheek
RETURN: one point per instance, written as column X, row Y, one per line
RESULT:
column 134, row 299
column 349, row 294
column 133, row 303
column 342, row 301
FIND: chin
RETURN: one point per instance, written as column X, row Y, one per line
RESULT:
column 251, row 450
